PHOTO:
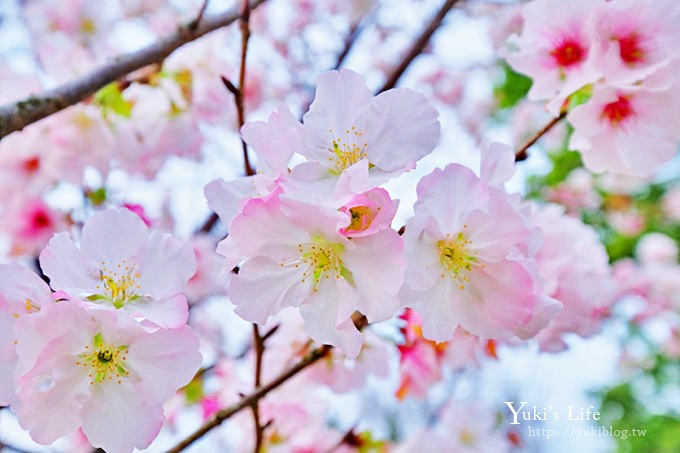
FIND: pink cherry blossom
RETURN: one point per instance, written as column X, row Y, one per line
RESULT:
column 342, row 375
column 420, row 359
column 463, row 428
column 574, row 265
column 345, row 125
column 22, row 293
column 273, row 143
column 298, row 424
column 120, row 264
column 671, row 347
column 470, row 427
column 370, row 212
column 468, row 250
column 30, row 223
column 81, row 136
column 634, row 38
column 671, row 203
column 99, row 370
column 613, row 128
column 160, row 125
column 575, row 193
column 656, row 249
column 211, row 275
column 294, row 256
column 555, row 48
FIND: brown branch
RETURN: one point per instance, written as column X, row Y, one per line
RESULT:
column 258, row 345
column 16, row 116
column 419, row 45
column 252, row 399
column 360, row 322
column 521, row 153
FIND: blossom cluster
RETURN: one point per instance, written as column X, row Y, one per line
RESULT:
column 620, row 58
column 474, row 261
column 313, row 248
column 106, row 349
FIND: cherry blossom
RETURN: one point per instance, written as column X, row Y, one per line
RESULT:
column 305, row 262
column 463, row 427
column 99, row 370
column 274, row 142
column 466, row 245
column 371, row 212
column 120, row 264
column 30, row 223
column 346, row 124
column 555, row 48
column 613, row 127
column 634, row 38
column 574, row 265
column 22, row 293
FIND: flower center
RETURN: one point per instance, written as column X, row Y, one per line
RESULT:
column 32, row 164
column 467, row 438
column 362, row 217
column 320, row 260
column 104, row 361
column 568, row 53
column 630, row 49
column 456, row 258
column 618, row 111
column 29, row 306
column 346, row 153
column 119, row 284
column 87, row 26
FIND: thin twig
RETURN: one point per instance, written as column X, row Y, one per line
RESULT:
column 258, row 345
column 521, row 153
column 350, row 39
column 249, row 400
column 244, row 23
column 270, row 332
column 419, row 45
column 196, row 22
column 416, row 49
column 16, row 116
column 209, row 223
column 360, row 322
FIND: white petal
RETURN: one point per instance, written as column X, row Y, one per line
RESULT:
column 113, row 235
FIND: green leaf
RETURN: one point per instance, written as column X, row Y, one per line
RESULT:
column 193, row 391
column 563, row 162
column 110, row 99
column 513, row 88
column 581, row 96
column 97, row 197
